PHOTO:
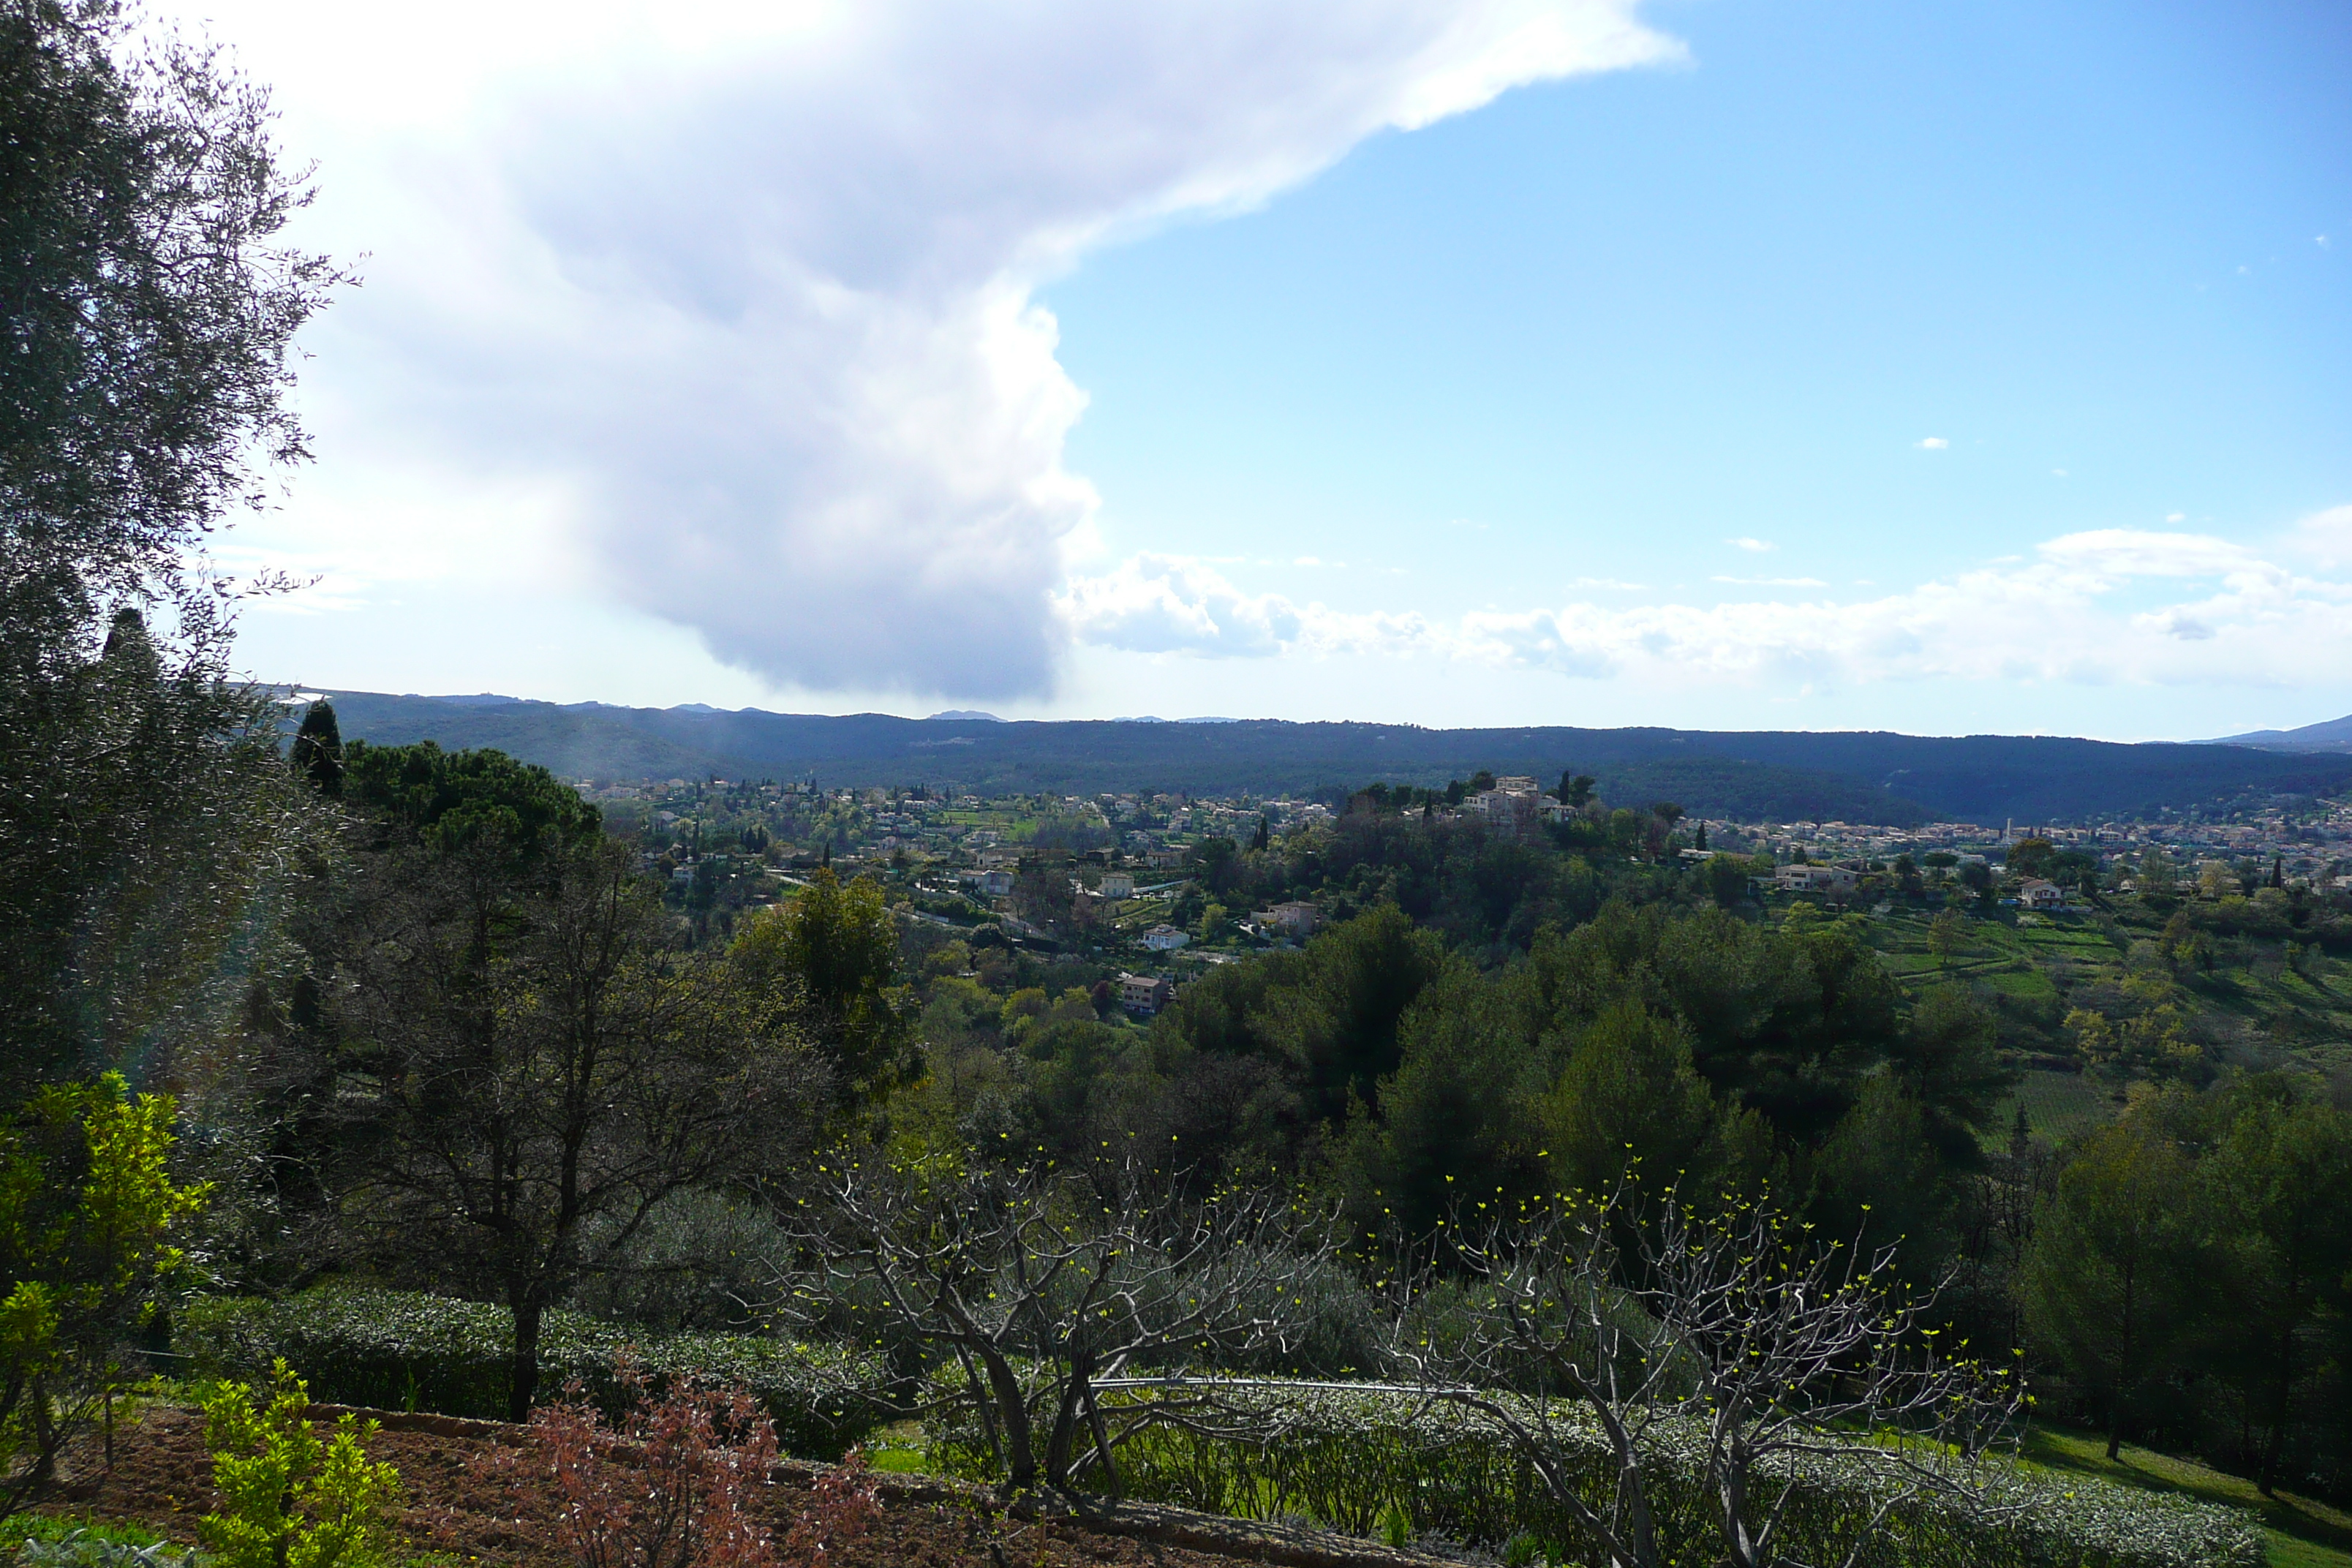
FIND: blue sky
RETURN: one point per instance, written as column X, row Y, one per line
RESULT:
column 1939, row 368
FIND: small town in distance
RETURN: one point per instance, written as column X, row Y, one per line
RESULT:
column 1134, row 893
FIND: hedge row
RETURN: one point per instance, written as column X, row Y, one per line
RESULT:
column 399, row 1350
column 1346, row 1458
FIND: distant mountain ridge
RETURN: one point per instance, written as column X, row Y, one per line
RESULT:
column 1784, row 775
column 2328, row 735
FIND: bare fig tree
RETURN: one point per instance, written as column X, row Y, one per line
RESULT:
column 1737, row 1346
column 1042, row 1283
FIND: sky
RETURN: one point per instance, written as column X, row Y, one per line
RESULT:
column 1954, row 367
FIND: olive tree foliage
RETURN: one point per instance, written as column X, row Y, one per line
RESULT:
column 1720, row 1343
column 1044, row 1284
column 148, row 315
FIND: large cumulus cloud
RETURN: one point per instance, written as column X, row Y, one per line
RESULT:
column 752, row 291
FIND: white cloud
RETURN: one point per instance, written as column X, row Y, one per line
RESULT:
column 1758, row 545
column 1933, row 443
column 753, row 285
column 1160, row 603
column 2073, row 611
column 2325, row 536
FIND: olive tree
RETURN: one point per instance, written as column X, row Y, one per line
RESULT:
column 150, row 315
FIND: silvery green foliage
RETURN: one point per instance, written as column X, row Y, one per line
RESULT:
column 1346, row 1456
column 83, row 1549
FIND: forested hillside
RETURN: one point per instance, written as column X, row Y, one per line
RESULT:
column 1764, row 775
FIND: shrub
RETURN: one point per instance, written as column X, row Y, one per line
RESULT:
column 47, row 1528
column 93, row 1549
column 1367, row 1460
column 288, row 1501
column 667, row 1486
column 677, row 1501
column 87, row 1215
column 402, row 1350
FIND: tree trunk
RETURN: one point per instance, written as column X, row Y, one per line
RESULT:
column 2282, row 1409
column 523, row 1377
column 1020, row 1454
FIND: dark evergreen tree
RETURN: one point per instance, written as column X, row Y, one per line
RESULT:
column 318, row 750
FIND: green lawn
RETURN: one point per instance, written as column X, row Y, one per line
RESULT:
column 2303, row 1533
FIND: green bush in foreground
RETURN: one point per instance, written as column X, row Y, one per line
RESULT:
column 1359, row 1460
column 398, row 1350
column 286, row 1498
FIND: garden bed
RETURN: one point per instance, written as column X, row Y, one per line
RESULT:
column 454, row 1511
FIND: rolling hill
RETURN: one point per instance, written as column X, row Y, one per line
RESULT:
column 2330, row 735
column 1786, row 775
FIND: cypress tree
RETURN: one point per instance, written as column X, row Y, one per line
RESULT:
column 318, row 750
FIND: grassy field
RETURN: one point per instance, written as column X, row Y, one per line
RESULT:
column 2303, row 1533
column 2057, row 1105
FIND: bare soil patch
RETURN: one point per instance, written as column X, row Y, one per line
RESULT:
column 451, row 1503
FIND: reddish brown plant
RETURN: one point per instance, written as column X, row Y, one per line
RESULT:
column 672, row 1485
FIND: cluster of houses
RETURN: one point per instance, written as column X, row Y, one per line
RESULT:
column 1840, row 881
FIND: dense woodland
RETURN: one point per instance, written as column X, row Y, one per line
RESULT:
column 274, row 1014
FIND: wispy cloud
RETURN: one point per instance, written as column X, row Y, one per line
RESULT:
column 1932, row 444
column 1758, row 545
column 2074, row 610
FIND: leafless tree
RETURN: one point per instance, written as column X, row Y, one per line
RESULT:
column 1736, row 1344
column 1043, row 1282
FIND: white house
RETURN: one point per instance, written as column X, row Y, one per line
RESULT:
column 1815, row 878
column 2034, row 893
column 1296, row 919
column 994, row 884
column 1117, row 885
column 1164, row 939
